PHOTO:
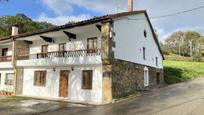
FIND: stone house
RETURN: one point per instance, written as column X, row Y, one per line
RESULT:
column 91, row 61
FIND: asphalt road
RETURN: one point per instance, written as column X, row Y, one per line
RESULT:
column 178, row 99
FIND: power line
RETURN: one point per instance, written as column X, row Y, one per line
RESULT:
column 173, row 14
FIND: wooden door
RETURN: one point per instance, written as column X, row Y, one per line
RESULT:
column 63, row 85
column 158, row 78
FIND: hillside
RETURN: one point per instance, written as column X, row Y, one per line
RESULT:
column 179, row 71
column 24, row 23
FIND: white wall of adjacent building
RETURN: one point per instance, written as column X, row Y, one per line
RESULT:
column 130, row 41
column 75, row 91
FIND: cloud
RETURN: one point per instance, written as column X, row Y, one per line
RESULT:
column 164, row 26
column 60, row 20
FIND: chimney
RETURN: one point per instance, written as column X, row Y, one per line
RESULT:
column 130, row 5
column 14, row 30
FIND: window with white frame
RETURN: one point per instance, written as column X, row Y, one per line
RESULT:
column 9, row 79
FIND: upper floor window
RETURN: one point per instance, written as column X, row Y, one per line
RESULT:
column 4, row 52
column 87, row 76
column 92, row 45
column 145, row 33
column 156, row 61
column 62, row 47
column 40, row 78
column 9, row 79
column 144, row 53
column 44, row 51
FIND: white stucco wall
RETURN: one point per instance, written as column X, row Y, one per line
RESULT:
column 80, row 43
column 3, row 76
column 130, row 41
column 75, row 92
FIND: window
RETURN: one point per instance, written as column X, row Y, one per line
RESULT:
column 61, row 49
column 92, row 45
column 40, row 78
column 9, row 79
column 144, row 53
column 44, row 50
column 4, row 52
column 87, row 76
column 145, row 33
column 156, row 61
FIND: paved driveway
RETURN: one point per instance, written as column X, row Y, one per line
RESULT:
column 178, row 99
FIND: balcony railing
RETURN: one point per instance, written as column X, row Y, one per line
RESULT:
column 5, row 58
column 75, row 53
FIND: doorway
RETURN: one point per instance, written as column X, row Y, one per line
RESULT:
column 63, row 83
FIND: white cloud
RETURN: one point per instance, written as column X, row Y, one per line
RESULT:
column 60, row 20
column 164, row 26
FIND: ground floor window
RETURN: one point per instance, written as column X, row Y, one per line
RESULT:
column 9, row 79
column 146, row 77
column 87, row 77
column 40, row 78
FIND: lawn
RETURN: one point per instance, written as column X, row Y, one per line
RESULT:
column 179, row 71
column 12, row 99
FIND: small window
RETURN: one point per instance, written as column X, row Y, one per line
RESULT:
column 40, row 78
column 145, row 33
column 87, row 76
column 92, row 45
column 4, row 52
column 9, row 79
column 156, row 61
column 144, row 53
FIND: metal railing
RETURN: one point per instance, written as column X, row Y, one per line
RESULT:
column 75, row 53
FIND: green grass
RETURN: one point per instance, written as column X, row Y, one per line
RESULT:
column 12, row 99
column 179, row 71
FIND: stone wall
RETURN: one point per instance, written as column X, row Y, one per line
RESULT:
column 21, row 48
column 128, row 77
column 19, row 81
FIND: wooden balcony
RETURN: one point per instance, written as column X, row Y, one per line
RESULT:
column 5, row 58
column 60, row 54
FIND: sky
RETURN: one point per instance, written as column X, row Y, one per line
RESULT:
column 60, row 12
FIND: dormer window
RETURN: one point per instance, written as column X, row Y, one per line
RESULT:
column 145, row 33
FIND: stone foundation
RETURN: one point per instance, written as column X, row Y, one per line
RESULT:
column 128, row 77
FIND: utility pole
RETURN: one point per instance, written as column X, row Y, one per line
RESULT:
column 191, row 48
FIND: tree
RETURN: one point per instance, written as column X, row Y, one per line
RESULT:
column 175, row 42
column 24, row 23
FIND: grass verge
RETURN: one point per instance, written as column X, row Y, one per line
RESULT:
column 12, row 99
column 179, row 71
